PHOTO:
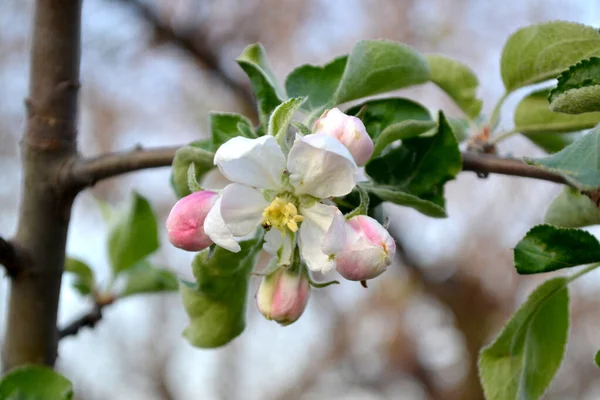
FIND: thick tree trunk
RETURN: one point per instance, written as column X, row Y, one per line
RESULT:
column 48, row 146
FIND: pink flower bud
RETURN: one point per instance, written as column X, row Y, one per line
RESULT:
column 282, row 296
column 348, row 130
column 185, row 223
column 368, row 251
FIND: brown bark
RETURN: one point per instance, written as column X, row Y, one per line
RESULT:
column 48, row 144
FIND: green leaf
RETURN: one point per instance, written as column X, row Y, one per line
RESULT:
column 84, row 276
column 145, row 278
column 461, row 128
column 224, row 126
column 35, row 382
column 378, row 66
column 420, row 166
column 400, row 131
column 554, row 142
column 381, row 113
column 539, row 52
column 303, row 129
column 133, row 235
column 318, row 83
column 533, row 115
column 193, row 184
column 216, row 305
column 458, row 81
column 572, row 209
column 281, row 118
column 578, row 88
column 578, row 163
column 196, row 152
column 397, row 196
column 547, row 248
column 523, row 359
column 255, row 64
column 597, row 358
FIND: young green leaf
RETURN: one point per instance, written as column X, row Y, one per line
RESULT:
column 597, row 358
column 397, row 196
column 378, row 66
column 281, row 118
column 547, row 248
column 317, row 83
column 533, row 115
column 539, row 52
column 458, row 81
column 255, row 64
column 216, row 305
column 420, row 166
column 146, row 278
column 572, row 209
column 303, row 129
column 133, row 235
column 578, row 163
column 523, row 359
column 224, row 126
column 84, row 276
column 382, row 113
column 400, row 131
column 578, row 89
column 196, row 152
column 553, row 142
column 35, row 382
column 460, row 127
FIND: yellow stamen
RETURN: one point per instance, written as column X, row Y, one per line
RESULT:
column 281, row 215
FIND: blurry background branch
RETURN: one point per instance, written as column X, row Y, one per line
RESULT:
column 88, row 320
column 195, row 43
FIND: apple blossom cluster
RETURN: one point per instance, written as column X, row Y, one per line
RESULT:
column 289, row 196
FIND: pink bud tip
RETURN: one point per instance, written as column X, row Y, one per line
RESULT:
column 185, row 223
column 368, row 251
column 282, row 296
column 350, row 131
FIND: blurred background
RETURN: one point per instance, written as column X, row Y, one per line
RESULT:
column 151, row 72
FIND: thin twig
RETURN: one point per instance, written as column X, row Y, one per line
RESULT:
column 8, row 258
column 88, row 320
column 485, row 164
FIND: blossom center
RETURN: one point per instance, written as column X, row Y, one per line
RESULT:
column 281, row 214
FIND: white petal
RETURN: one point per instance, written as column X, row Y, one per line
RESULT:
column 335, row 238
column 252, row 162
column 317, row 220
column 279, row 246
column 214, row 180
column 321, row 166
column 242, row 208
column 215, row 228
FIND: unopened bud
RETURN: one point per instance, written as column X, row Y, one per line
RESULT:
column 282, row 296
column 350, row 131
column 185, row 223
column 368, row 251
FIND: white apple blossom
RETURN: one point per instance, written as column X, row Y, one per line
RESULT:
column 286, row 195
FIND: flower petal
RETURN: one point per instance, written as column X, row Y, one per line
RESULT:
column 215, row 228
column 335, row 238
column 252, row 162
column 321, row 166
column 242, row 208
column 279, row 246
column 317, row 220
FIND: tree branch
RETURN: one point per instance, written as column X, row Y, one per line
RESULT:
column 86, row 172
column 8, row 258
column 483, row 164
column 49, row 142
